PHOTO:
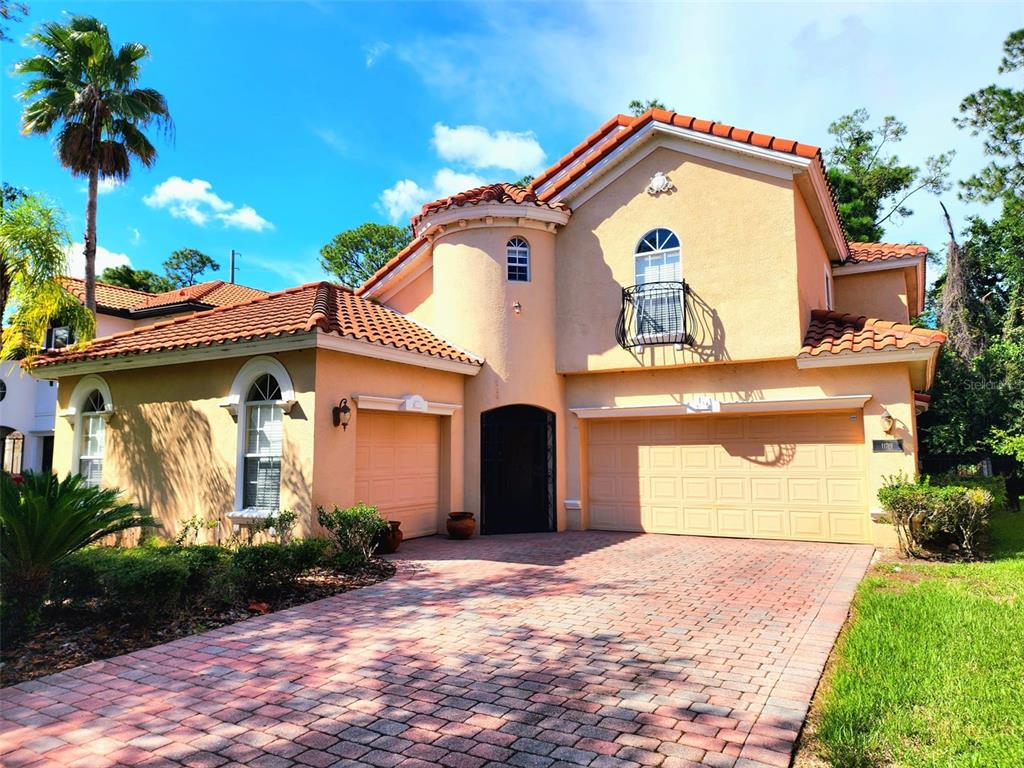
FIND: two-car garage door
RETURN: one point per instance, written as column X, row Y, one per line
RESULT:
column 779, row 476
column 397, row 457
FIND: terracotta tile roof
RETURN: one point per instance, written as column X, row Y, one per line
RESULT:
column 323, row 305
column 215, row 293
column 865, row 252
column 502, row 192
column 833, row 333
column 107, row 296
column 620, row 128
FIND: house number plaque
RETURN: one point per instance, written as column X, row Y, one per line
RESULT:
column 887, row 446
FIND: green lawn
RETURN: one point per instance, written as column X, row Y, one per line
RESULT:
column 930, row 671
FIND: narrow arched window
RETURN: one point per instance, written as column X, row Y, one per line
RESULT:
column 517, row 257
column 92, row 429
column 658, row 272
column 264, row 417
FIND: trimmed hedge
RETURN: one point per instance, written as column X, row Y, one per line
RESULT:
column 927, row 515
column 994, row 485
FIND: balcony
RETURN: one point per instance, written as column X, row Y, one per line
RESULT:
column 653, row 314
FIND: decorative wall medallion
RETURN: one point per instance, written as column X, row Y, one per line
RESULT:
column 660, row 183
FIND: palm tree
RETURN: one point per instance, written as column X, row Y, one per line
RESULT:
column 34, row 244
column 88, row 91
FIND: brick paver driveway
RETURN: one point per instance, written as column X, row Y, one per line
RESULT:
column 588, row 648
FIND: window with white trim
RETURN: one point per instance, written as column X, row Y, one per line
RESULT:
column 264, row 418
column 92, row 434
column 657, row 261
column 517, row 258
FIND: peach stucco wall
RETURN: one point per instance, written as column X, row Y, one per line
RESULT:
column 341, row 375
column 888, row 385
column 172, row 447
column 474, row 307
column 416, row 298
column 737, row 231
column 812, row 262
column 880, row 294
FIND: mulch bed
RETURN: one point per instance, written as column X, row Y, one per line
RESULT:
column 69, row 636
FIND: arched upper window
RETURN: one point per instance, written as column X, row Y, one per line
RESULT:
column 264, row 417
column 92, row 436
column 517, row 257
column 658, row 268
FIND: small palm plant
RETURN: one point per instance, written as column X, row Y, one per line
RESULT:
column 42, row 521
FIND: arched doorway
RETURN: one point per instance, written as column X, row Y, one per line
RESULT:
column 517, row 449
column 12, row 449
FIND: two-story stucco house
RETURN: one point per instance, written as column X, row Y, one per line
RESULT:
column 667, row 332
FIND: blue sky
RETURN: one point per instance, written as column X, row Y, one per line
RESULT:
column 296, row 120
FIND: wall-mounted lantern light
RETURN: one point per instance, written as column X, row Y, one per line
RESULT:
column 888, row 422
column 517, row 307
column 342, row 414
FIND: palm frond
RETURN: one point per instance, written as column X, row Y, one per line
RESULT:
column 75, row 147
column 135, row 142
column 113, row 159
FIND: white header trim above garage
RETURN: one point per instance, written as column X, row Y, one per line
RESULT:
column 789, row 405
column 407, row 404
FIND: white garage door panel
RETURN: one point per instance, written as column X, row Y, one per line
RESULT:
column 779, row 476
column 397, row 468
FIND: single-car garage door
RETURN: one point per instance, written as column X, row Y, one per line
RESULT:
column 778, row 477
column 397, row 468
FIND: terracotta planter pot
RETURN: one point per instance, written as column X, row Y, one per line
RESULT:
column 461, row 525
column 391, row 539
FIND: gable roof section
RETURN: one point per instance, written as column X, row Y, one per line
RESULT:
column 836, row 333
column 330, row 308
column 108, row 296
column 502, row 192
column 215, row 293
column 862, row 253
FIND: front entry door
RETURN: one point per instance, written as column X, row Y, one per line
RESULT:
column 518, row 470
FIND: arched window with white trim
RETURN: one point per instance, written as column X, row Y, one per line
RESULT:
column 89, row 409
column 261, row 395
column 658, row 268
column 517, row 258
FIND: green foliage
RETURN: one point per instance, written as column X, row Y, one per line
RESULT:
column 998, row 114
column 637, row 106
column 310, row 553
column 996, row 487
column 262, row 570
column 281, row 525
column 188, row 534
column 873, row 186
column 355, row 254
column 355, row 530
column 524, row 182
column 136, row 279
column 42, row 521
column 10, row 10
column 34, row 244
column 185, row 265
column 924, row 514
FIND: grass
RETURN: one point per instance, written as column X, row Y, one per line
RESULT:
column 930, row 671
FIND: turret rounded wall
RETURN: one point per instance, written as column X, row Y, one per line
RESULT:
column 511, row 324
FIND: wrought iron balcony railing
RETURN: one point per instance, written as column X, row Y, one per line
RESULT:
column 652, row 314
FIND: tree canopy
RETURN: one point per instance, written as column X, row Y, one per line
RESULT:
column 136, row 279
column 355, row 254
column 871, row 184
column 185, row 266
column 637, row 106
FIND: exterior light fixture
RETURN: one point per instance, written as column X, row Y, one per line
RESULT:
column 342, row 414
column 888, row 422
column 517, row 307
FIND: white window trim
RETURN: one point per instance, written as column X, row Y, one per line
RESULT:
column 235, row 405
column 529, row 260
column 656, row 338
column 85, row 387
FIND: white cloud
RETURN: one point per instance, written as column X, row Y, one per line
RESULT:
column 196, row 201
column 406, row 197
column 331, row 138
column 136, row 236
column 109, row 184
column 477, row 147
column 104, row 259
column 245, row 218
column 374, row 52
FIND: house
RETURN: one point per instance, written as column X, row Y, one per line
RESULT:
column 667, row 331
column 28, row 405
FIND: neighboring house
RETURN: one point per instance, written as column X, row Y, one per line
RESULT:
column 28, row 405
column 667, row 332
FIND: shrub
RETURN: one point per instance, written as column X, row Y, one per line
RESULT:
column 207, row 566
column 996, row 486
column 139, row 582
column 355, row 530
column 42, row 521
column 190, row 529
column 309, row 553
column 923, row 513
column 280, row 526
column 259, row 570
